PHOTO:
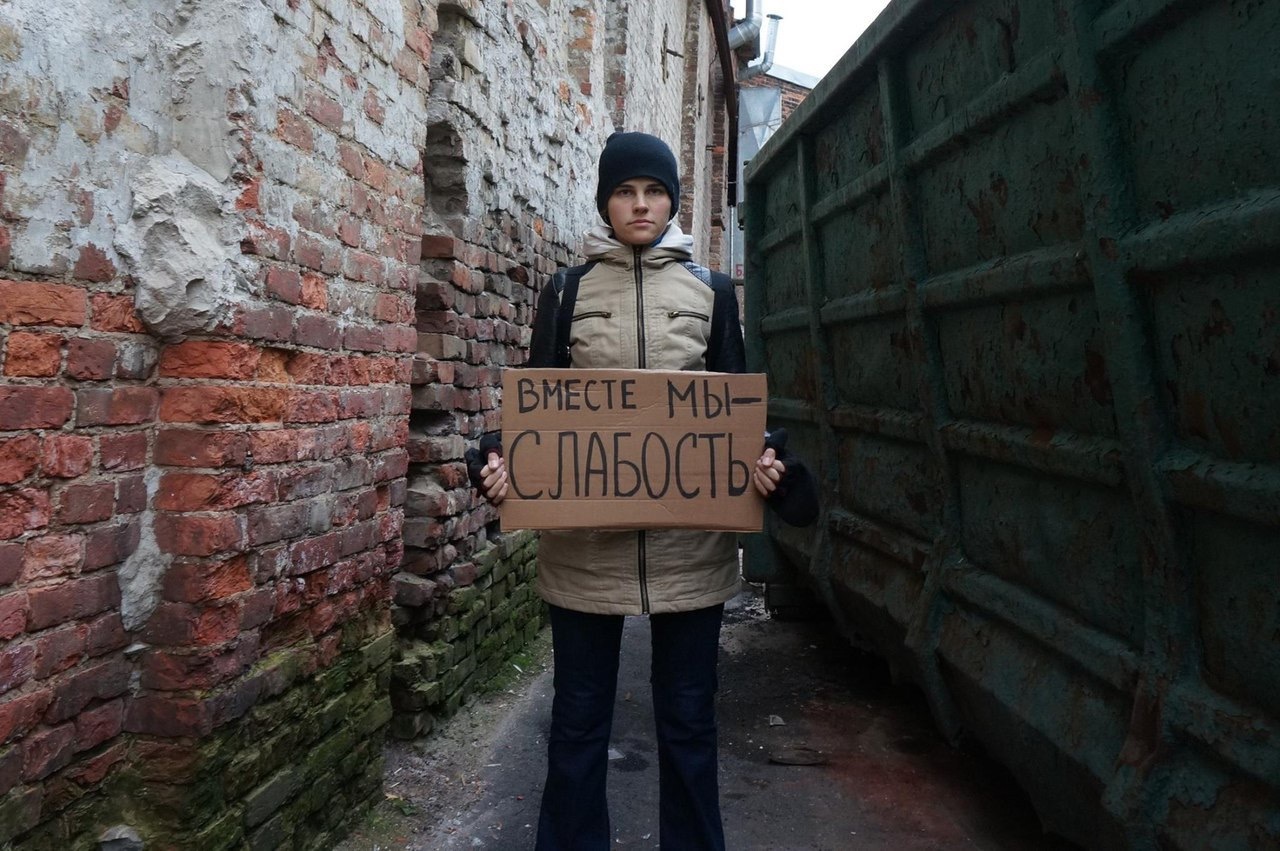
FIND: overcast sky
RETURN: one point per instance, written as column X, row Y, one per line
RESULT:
column 814, row 34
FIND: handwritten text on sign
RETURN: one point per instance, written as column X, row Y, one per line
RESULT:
column 631, row 449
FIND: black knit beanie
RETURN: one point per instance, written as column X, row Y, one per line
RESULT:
column 628, row 155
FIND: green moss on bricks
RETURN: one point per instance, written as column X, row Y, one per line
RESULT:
column 19, row 811
column 417, row 697
column 226, row 832
column 273, row 834
column 326, row 755
column 379, row 651
column 461, row 599
column 409, row 726
column 272, row 795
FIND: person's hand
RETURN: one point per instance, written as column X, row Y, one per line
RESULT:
column 767, row 473
column 495, row 479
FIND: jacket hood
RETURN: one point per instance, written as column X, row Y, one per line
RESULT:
column 599, row 243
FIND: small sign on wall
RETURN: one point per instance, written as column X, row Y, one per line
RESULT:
column 632, row 449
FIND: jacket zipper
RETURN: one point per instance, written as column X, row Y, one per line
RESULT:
column 590, row 314
column 640, row 341
column 693, row 314
column 642, row 567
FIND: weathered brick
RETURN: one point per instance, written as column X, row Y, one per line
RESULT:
column 93, row 264
column 137, row 358
column 284, row 284
column 23, row 510
column 122, row 452
column 99, row 724
column 303, row 482
column 131, row 494
column 91, row 359
column 203, row 581
column 52, row 556
column 200, row 448
column 308, row 368
column 322, row 332
column 87, row 503
column 103, row 681
column 185, row 624
column 209, row 359
column 72, row 600
column 105, row 634
column 115, row 406
column 440, row 246
column 311, row 407
column 46, row 751
column 10, row 776
column 19, row 457
column 222, row 404
column 116, row 313
column 314, row 553
column 13, row 615
column 315, row 292
column 66, row 456
column 324, row 109
column 17, row 664
column 166, row 715
column 34, row 407
column 278, row 522
column 89, row 771
column 30, row 355
column 10, row 562
column 28, row 303
column 110, row 545
column 198, row 535
column 294, row 129
column 19, row 714
column 200, row 492
column 250, row 196
column 349, row 231
column 59, row 649
column 273, row 323
column 373, row 107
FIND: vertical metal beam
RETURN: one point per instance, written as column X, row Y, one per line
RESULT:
column 820, row 352
column 922, row 632
column 1170, row 651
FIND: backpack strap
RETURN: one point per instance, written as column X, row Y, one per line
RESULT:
column 566, row 285
column 702, row 273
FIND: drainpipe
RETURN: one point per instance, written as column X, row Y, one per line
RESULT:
column 720, row 26
column 767, row 61
column 747, row 29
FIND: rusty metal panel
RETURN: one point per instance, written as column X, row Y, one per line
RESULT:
column 1014, row 271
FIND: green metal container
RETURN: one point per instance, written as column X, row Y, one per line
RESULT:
column 1013, row 270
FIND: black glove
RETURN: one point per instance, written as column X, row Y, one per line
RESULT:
column 478, row 459
column 795, row 500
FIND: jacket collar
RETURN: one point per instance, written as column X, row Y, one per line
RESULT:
column 599, row 243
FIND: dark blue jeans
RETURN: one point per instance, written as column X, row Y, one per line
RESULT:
column 575, row 813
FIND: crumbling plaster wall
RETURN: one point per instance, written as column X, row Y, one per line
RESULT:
column 210, row 229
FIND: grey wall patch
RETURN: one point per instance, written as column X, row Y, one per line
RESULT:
column 142, row 572
column 181, row 245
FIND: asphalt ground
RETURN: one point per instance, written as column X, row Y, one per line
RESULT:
column 819, row 750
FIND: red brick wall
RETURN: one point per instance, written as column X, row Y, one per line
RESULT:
column 195, row 522
column 792, row 94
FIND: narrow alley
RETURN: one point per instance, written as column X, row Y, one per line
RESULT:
column 819, row 751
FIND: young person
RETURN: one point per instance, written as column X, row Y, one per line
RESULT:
column 639, row 303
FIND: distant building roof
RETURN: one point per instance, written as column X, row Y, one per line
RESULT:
column 791, row 75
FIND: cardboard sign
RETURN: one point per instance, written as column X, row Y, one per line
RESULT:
column 632, row 449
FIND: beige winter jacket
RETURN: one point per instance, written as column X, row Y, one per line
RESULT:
column 640, row 309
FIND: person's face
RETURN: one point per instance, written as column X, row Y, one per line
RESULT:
column 639, row 210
